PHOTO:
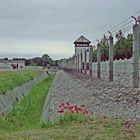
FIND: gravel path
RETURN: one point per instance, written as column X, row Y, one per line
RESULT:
column 100, row 97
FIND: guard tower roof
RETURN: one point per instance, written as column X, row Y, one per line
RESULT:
column 82, row 39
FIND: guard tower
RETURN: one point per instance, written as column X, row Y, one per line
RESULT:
column 82, row 45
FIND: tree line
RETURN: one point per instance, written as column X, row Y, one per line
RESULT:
column 45, row 60
column 121, row 49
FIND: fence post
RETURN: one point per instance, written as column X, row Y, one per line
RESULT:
column 136, row 49
column 75, row 62
column 90, row 59
column 85, row 62
column 98, row 61
column 81, row 62
column 110, row 58
column 78, row 62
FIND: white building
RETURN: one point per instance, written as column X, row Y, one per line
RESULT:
column 6, row 64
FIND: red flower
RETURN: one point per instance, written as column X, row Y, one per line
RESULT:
column 67, row 103
column 61, row 104
column 85, row 111
column 60, row 111
column 80, row 109
column 83, row 106
column 104, row 117
column 75, row 108
column 69, row 108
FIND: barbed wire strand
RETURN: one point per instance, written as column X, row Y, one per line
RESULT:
column 119, row 25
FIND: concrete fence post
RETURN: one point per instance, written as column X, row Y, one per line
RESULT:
column 76, row 66
column 90, row 59
column 74, row 63
column 110, row 58
column 98, row 61
column 136, row 53
column 81, row 62
column 78, row 62
column 85, row 62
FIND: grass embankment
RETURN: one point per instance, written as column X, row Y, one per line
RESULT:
column 11, row 79
column 26, row 114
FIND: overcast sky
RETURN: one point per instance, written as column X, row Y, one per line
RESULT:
column 30, row 28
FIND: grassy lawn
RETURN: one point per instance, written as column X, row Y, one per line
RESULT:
column 11, row 79
column 26, row 114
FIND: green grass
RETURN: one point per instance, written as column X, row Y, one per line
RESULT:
column 67, row 119
column 26, row 114
column 23, row 123
column 80, row 127
column 112, row 129
column 11, row 79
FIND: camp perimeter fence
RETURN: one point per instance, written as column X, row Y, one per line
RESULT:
column 126, row 72
column 122, row 71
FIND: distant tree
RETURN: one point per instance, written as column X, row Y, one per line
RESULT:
column 122, row 48
column 56, row 62
column 37, row 61
column 119, row 35
column 5, row 58
column 27, row 62
column 129, row 46
column 46, row 59
column 19, row 59
column 94, row 56
column 104, row 49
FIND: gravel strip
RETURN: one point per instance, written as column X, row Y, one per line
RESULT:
column 99, row 96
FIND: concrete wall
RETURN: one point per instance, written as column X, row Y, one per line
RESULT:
column 120, row 66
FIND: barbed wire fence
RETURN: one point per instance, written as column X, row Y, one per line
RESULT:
column 123, row 70
column 125, row 73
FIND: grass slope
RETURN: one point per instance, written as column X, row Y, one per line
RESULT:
column 26, row 114
column 11, row 79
